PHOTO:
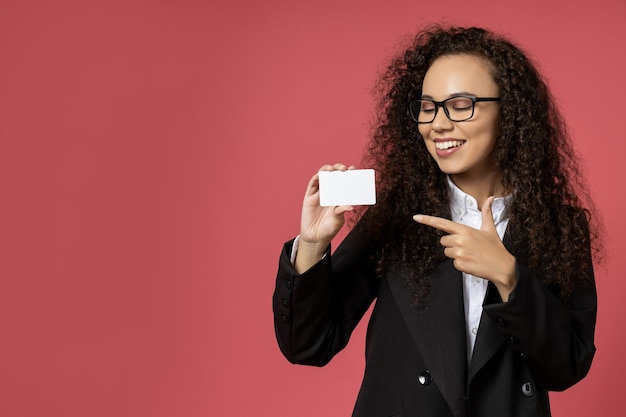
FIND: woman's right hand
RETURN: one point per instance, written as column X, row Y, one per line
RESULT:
column 318, row 225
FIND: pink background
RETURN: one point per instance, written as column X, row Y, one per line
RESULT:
column 153, row 157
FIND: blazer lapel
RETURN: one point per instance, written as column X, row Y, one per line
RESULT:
column 438, row 329
column 489, row 339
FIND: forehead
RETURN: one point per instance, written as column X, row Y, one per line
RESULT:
column 454, row 74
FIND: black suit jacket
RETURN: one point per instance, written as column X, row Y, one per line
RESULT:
column 416, row 357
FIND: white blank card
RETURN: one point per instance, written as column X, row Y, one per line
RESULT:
column 354, row 187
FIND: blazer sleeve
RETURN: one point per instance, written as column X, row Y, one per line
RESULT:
column 316, row 312
column 555, row 338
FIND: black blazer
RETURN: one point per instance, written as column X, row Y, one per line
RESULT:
column 416, row 357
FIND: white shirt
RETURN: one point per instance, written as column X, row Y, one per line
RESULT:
column 464, row 210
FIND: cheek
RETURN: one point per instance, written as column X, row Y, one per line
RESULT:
column 485, row 134
column 493, row 130
column 423, row 129
column 430, row 147
column 492, row 138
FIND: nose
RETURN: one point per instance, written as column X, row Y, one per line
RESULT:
column 441, row 121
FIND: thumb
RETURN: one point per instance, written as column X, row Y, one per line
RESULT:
column 488, row 222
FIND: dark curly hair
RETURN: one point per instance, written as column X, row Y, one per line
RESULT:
column 550, row 220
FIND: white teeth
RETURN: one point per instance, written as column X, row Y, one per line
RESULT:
column 448, row 144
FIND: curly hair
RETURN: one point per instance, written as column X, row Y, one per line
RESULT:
column 549, row 217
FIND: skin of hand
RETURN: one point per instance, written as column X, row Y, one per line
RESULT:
column 478, row 252
column 318, row 225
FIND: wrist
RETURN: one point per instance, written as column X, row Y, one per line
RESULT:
column 507, row 281
column 312, row 249
column 308, row 254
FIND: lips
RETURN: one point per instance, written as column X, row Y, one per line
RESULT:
column 448, row 144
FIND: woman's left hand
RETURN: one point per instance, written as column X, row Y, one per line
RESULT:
column 478, row 252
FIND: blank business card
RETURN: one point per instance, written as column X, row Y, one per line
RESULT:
column 355, row 187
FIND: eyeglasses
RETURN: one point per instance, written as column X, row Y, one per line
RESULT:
column 457, row 108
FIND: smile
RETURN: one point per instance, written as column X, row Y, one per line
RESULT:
column 449, row 144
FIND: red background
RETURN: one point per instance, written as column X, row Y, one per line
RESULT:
column 153, row 157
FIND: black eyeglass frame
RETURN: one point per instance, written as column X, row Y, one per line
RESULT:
column 442, row 104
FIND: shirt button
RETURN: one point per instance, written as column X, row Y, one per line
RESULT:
column 285, row 302
column 474, row 330
column 288, row 283
column 285, row 319
column 476, row 280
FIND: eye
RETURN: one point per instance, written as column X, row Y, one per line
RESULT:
column 427, row 106
column 460, row 104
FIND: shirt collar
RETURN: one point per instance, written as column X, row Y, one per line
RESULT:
column 462, row 203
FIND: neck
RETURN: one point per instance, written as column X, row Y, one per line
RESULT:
column 480, row 187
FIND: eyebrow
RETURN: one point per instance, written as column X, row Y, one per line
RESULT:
column 460, row 93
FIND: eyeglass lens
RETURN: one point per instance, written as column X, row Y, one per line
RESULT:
column 456, row 108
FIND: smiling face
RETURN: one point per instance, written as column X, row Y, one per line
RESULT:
column 462, row 150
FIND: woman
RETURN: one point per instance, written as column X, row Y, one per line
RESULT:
column 478, row 252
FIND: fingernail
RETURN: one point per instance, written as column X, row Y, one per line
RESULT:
column 418, row 217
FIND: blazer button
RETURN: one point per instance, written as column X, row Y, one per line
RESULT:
column 425, row 378
column 501, row 322
column 528, row 389
column 512, row 340
column 285, row 319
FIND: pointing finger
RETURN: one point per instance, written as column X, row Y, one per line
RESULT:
column 445, row 225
